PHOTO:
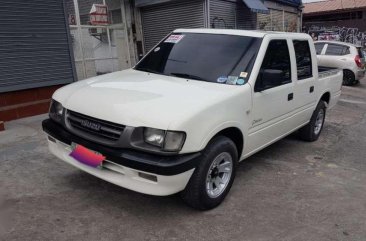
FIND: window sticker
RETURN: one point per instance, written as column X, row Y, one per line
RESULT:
column 243, row 74
column 222, row 79
column 240, row 81
column 156, row 49
column 174, row 38
column 231, row 80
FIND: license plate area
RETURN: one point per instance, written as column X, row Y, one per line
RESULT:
column 86, row 156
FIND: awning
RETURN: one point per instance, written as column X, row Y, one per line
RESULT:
column 256, row 6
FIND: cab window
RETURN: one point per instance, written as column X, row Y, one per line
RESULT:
column 276, row 66
column 303, row 59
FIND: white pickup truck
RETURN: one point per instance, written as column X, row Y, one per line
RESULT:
column 198, row 103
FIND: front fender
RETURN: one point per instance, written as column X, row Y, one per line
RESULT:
column 200, row 127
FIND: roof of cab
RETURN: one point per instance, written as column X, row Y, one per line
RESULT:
column 252, row 33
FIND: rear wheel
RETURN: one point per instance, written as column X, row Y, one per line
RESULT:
column 348, row 77
column 312, row 130
column 213, row 178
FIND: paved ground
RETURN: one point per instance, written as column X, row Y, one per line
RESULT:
column 290, row 191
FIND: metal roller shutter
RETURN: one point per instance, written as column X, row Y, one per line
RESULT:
column 160, row 20
column 34, row 45
column 222, row 14
column 245, row 19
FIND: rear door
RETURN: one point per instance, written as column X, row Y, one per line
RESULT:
column 305, row 87
column 335, row 56
column 272, row 100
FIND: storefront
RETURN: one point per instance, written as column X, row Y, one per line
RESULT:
column 49, row 43
column 46, row 44
column 159, row 17
column 99, row 36
column 36, row 57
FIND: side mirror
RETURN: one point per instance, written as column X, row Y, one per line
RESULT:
column 269, row 78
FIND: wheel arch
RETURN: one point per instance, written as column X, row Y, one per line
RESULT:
column 325, row 97
column 236, row 135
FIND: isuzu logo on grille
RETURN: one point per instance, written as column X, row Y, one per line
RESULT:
column 90, row 125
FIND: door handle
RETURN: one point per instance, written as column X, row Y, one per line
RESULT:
column 290, row 96
column 311, row 89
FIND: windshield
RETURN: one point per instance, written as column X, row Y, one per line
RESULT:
column 205, row 57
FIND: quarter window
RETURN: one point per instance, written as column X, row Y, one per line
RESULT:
column 303, row 59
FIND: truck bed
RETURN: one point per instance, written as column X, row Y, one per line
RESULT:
column 327, row 71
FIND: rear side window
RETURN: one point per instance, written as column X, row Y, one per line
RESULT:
column 303, row 59
column 335, row 49
column 319, row 47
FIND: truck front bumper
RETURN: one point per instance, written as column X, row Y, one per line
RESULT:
column 138, row 171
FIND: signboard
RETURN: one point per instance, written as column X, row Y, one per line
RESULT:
column 99, row 14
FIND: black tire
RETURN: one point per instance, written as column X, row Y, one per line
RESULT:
column 195, row 194
column 348, row 78
column 308, row 133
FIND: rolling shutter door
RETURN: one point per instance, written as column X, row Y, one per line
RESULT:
column 222, row 14
column 245, row 19
column 34, row 45
column 160, row 20
column 231, row 15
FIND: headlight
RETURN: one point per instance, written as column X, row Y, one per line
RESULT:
column 56, row 111
column 154, row 136
column 166, row 140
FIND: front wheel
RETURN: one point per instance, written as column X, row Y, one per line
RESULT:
column 312, row 130
column 213, row 178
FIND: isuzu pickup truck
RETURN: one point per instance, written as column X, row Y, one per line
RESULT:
column 198, row 103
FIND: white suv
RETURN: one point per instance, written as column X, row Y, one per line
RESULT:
column 345, row 56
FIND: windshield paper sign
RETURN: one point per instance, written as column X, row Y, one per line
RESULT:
column 174, row 38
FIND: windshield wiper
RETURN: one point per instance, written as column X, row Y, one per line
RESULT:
column 189, row 76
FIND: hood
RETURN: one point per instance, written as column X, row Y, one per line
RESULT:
column 136, row 98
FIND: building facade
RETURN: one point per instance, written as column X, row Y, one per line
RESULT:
column 36, row 56
column 46, row 44
column 342, row 20
column 159, row 17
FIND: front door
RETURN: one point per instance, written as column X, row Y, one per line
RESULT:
column 273, row 96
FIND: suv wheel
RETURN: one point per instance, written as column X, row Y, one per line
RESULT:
column 312, row 130
column 213, row 178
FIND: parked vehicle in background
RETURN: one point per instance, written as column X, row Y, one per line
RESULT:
column 198, row 103
column 348, row 57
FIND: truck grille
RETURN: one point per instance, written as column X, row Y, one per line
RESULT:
column 94, row 127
